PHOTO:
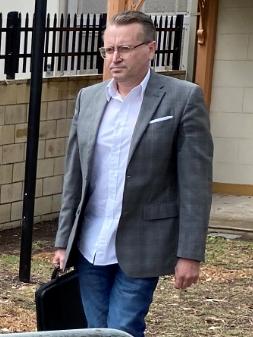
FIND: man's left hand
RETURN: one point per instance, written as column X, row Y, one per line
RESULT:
column 186, row 273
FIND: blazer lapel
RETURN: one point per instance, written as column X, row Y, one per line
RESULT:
column 152, row 97
column 91, row 120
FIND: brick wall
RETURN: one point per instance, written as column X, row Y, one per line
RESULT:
column 57, row 106
column 58, row 98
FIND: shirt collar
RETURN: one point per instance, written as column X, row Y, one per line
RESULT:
column 112, row 91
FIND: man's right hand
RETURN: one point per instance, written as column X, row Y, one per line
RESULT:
column 59, row 256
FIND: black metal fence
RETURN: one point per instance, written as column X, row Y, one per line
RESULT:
column 71, row 44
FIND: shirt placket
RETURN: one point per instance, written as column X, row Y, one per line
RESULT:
column 114, row 159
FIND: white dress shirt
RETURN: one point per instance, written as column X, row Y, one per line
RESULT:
column 102, row 213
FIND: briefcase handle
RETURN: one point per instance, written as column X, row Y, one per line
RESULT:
column 55, row 273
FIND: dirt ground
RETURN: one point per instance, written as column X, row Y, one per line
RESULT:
column 220, row 305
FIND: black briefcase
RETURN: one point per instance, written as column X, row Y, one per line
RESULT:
column 58, row 303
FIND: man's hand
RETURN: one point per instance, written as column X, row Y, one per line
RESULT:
column 59, row 256
column 186, row 273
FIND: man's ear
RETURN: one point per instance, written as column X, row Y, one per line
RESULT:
column 152, row 49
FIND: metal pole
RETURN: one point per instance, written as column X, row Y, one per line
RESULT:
column 32, row 139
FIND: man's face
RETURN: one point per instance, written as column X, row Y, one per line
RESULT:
column 131, row 67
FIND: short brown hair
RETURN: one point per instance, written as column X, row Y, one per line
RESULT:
column 128, row 17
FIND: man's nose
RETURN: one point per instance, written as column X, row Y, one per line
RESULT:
column 116, row 57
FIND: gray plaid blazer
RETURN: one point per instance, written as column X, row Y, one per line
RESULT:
column 167, row 193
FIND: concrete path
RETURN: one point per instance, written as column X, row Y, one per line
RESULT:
column 232, row 212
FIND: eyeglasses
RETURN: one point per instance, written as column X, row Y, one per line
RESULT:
column 105, row 52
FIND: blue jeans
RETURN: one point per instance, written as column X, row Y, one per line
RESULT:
column 111, row 299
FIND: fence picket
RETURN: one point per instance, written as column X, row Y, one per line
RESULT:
column 67, row 43
column 170, row 40
column 159, row 40
column 47, row 42
column 164, row 39
column 60, row 43
column 87, row 29
column 25, row 42
column 92, row 47
column 1, row 25
column 80, row 39
column 73, row 42
column 53, row 43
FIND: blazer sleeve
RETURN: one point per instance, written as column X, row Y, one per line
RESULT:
column 194, row 165
column 72, row 185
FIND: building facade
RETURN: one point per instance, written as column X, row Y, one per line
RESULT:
column 231, row 109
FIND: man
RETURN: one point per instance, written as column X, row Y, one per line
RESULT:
column 137, row 187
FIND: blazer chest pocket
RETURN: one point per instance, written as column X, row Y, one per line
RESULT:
column 160, row 211
column 160, row 134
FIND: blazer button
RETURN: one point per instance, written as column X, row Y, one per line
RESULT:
column 128, row 177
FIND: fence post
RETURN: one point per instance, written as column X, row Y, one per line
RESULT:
column 177, row 42
column 12, row 45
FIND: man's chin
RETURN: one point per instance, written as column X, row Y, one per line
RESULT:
column 119, row 76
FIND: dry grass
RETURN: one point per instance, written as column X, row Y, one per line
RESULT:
column 220, row 305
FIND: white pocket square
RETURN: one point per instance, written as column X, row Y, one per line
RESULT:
column 161, row 119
